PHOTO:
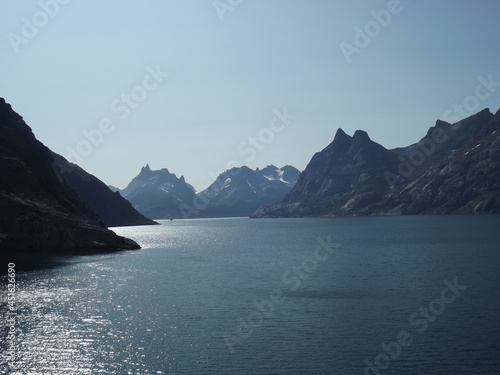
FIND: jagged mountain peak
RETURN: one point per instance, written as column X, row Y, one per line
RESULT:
column 444, row 137
column 341, row 139
column 341, row 166
column 341, row 134
column 147, row 171
column 362, row 142
column 453, row 169
column 270, row 167
column 442, row 124
column 239, row 191
column 470, row 123
column 344, row 149
column 439, row 126
column 159, row 193
column 286, row 174
column 361, row 134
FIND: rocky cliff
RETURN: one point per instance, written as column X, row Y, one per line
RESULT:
column 462, row 176
column 38, row 211
column 455, row 168
column 112, row 208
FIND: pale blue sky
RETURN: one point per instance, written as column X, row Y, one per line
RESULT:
column 227, row 78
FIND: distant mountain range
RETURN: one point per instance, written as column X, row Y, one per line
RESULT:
column 240, row 191
column 454, row 169
column 49, row 204
column 39, row 211
column 236, row 192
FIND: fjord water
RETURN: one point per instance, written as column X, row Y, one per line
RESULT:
column 198, row 299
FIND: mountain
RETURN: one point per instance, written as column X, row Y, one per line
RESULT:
column 113, row 209
column 236, row 192
column 38, row 211
column 114, row 189
column 240, row 191
column 464, row 179
column 288, row 175
column 455, row 168
column 346, row 178
column 159, row 194
column 443, row 137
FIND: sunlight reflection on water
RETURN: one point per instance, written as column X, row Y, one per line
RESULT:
column 166, row 309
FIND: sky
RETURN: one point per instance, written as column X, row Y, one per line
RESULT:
column 199, row 86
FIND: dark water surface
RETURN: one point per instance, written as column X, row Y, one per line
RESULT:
column 385, row 295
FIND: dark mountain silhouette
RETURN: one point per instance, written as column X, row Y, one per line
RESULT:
column 38, row 211
column 455, row 168
column 461, row 176
column 113, row 209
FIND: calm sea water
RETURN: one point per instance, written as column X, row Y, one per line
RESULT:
column 385, row 295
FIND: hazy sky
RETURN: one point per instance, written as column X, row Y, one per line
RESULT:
column 183, row 84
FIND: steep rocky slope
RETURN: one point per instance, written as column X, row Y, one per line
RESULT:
column 111, row 207
column 347, row 178
column 455, row 168
column 465, row 179
column 38, row 211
